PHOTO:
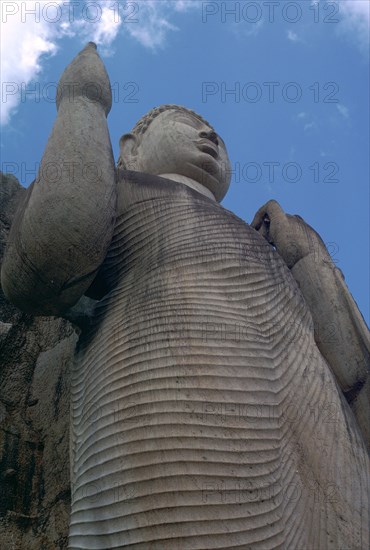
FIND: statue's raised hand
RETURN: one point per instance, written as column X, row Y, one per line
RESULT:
column 340, row 331
column 292, row 237
column 63, row 228
column 85, row 77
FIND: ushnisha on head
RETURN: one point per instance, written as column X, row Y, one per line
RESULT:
column 177, row 143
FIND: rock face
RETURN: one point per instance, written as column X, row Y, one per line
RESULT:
column 35, row 360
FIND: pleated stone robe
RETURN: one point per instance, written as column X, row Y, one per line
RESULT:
column 203, row 415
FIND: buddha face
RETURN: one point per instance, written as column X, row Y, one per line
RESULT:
column 178, row 142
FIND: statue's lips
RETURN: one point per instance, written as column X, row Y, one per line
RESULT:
column 208, row 147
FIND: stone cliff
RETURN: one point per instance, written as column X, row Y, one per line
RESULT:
column 35, row 360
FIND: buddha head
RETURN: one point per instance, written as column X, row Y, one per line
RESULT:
column 174, row 140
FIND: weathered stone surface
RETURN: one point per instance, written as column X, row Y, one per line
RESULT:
column 35, row 356
column 203, row 413
column 184, row 433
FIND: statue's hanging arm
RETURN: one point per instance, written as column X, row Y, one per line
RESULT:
column 64, row 226
column 341, row 333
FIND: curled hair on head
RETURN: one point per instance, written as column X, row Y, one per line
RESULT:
column 142, row 125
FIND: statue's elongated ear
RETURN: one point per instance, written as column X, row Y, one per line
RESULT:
column 128, row 146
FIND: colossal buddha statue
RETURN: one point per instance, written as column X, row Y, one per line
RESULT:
column 207, row 410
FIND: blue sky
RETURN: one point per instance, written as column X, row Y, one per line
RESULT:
column 286, row 84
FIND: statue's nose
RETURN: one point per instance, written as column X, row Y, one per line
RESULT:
column 212, row 136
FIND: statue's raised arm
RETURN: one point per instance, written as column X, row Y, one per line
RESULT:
column 64, row 226
column 341, row 333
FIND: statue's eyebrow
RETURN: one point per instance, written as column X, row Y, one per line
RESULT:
column 187, row 117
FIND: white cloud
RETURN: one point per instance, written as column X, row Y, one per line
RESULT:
column 249, row 29
column 147, row 21
column 344, row 111
column 308, row 121
column 101, row 27
column 107, row 29
column 292, row 36
column 32, row 29
column 310, row 126
column 153, row 20
column 153, row 28
column 185, row 5
column 292, row 152
column 25, row 39
column 355, row 22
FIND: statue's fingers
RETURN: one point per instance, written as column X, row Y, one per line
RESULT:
column 261, row 223
column 270, row 221
column 275, row 212
column 271, row 211
column 258, row 218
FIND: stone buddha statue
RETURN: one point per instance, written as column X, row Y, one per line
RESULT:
column 206, row 411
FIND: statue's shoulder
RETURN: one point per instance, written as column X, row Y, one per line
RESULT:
column 136, row 188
